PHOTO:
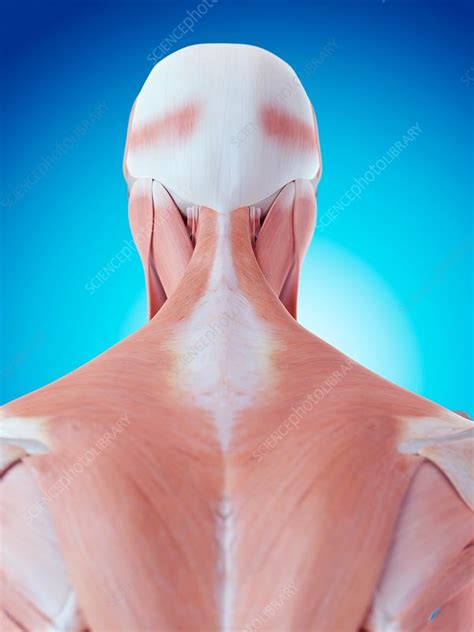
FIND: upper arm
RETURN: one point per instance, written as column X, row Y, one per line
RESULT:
column 430, row 560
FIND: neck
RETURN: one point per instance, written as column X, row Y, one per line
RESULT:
column 224, row 265
column 219, row 329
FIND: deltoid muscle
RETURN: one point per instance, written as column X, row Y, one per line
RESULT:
column 222, row 468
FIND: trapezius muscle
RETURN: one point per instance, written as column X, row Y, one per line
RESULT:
column 223, row 469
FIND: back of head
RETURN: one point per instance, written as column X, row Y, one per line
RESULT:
column 222, row 126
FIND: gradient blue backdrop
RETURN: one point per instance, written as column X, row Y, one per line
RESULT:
column 389, row 281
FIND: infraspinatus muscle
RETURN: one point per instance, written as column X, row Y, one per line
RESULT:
column 223, row 469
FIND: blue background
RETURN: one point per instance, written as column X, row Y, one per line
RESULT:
column 389, row 281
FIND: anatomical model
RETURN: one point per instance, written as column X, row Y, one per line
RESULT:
column 222, row 468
